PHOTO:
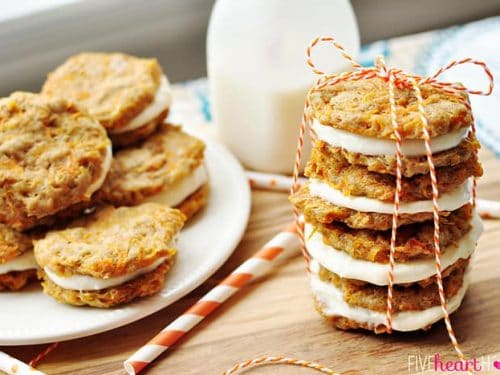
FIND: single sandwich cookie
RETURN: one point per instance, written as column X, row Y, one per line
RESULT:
column 356, row 180
column 353, row 304
column 419, row 295
column 362, row 107
column 17, row 262
column 317, row 209
column 411, row 165
column 130, row 96
column 111, row 256
column 52, row 156
column 352, row 258
column 414, row 241
column 166, row 168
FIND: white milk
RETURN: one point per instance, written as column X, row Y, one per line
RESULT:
column 258, row 76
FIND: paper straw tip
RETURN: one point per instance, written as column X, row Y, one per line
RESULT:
column 134, row 367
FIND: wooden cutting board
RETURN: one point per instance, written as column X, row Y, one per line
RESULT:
column 275, row 316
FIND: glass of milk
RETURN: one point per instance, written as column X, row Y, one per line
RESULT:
column 258, row 78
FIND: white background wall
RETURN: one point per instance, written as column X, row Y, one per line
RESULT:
column 379, row 19
column 174, row 31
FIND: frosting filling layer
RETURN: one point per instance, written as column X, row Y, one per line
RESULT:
column 84, row 282
column 378, row 146
column 333, row 304
column 106, row 165
column 178, row 192
column 161, row 102
column 23, row 262
column 447, row 202
column 345, row 266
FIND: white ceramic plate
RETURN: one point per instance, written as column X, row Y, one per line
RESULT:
column 30, row 317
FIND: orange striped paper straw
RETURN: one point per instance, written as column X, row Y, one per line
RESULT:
column 284, row 243
column 488, row 209
column 271, row 181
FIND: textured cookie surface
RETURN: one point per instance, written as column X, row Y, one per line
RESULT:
column 409, row 297
column 50, row 156
column 319, row 210
column 112, row 87
column 356, row 180
column 142, row 286
column 363, row 107
column 413, row 240
column 344, row 323
column 150, row 166
column 412, row 297
column 112, row 241
column 16, row 280
column 412, row 165
column 13, row 244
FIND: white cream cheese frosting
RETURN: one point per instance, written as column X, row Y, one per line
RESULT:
column 376, row 146
column 177, row 193
column 344, row 265
column 106, row 165
column 84, row 282
column 333, row 304
column 447, row 202
column 23, row 262
column 161, row 101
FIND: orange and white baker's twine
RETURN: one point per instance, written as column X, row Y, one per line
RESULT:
column 34, row 362
column 279, row 360
column 395, row 78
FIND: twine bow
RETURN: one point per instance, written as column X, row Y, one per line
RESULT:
column 395, row 77
column 401, row 78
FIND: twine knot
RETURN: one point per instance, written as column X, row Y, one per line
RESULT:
column 381, row 67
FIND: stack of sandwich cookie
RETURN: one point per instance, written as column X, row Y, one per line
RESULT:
column 111, row 256
column 348, row 203
column 129, row 96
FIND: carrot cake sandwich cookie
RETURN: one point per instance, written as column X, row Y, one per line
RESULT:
column 130, row 96
column 167, row 167
column 348, row 201
column 52, row 156
column 17, row 262
column 110, row 257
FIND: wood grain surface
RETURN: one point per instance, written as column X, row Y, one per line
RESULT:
column 275, row 316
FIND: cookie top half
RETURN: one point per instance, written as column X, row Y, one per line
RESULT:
column 13, row 244
column 51, row 156
column 111, row 242
column 151, row 166
column 112, row 87
column 362, row 107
